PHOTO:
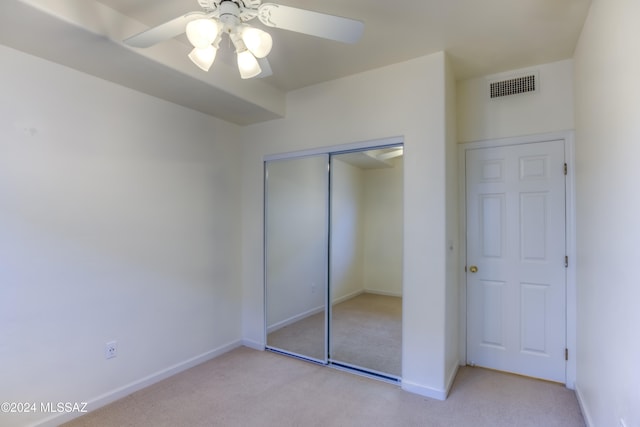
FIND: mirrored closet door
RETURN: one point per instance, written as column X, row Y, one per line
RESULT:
column 366, row 260
column 333, row 233
column 296, row 251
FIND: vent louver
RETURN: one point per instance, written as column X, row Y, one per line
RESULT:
column 513, row 86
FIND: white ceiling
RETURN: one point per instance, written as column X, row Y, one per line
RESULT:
column 481, row 37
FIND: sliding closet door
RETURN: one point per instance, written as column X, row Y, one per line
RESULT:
column 296, row 255
column 366, row 260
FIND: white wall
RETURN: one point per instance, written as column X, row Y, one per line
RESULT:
column 366, row 240
column 607, row 87
column 549, row 109
column 453, row 309
column 382, row 222
column 405, row 99
column 117, row 222
column 347, row 230
column 296, row 238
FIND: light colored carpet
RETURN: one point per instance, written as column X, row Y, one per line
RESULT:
column 366, row 332
column 304, row 337
column 251, row 388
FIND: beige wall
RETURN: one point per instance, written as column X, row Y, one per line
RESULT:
column 405, row 99
column 453, row 333
column 347, row 230
column 117, row 222
column 366, row 229
column 382, row 223
column 608, row 207
column 549, row 109
column 296, row 247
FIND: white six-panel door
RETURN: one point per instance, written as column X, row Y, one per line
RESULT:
column 516, row 275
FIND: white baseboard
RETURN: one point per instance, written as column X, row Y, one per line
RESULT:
column 583, row 407
column 430, row 392
column 253, row 344
column 294, row 319
column 423, row 390
column 119, row 393
column 347, row 297
column 452, row 377
column 383, row 293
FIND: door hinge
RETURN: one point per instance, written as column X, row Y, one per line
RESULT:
column 566, row 261
column 566, row 169
column 566, row 354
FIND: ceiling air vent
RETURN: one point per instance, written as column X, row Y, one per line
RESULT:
column 513, row 86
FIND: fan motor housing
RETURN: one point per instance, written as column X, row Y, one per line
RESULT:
column 245, row 10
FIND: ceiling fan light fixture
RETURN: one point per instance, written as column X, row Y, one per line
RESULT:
column 257, row 41
column 203, row 58
column 248, row 65
column 205, row 29
column 202, row 32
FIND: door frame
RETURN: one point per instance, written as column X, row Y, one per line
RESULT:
column 568, row 138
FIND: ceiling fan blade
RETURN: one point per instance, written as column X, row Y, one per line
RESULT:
column 265, row 67
column 313, row 23
column 165, row 31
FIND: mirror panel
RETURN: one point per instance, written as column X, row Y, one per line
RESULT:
column 366, row 260
column 296, row 255
column 336, row 236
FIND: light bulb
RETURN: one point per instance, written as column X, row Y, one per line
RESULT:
column 248, row 65
column 203, row 58
column 257, row 41
column 202, row 32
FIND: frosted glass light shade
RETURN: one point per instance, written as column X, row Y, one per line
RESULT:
column 202, row 32
column 248, row 65
column 203, row 58
column 257, row 41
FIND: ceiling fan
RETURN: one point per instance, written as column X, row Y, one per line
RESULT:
column 205, row 28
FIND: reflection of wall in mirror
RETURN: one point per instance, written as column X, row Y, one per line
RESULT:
column 296, row 238
column 383, row 229
column 347, row 231
column 366, row 240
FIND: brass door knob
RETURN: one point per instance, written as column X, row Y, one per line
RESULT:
column 473, row 269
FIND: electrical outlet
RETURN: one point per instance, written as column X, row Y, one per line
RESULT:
column 110, row 350
column 313, row 288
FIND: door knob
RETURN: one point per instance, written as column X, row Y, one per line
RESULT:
column 473, row 269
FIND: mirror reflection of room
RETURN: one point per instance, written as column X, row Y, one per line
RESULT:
column 366, row 259
column 358, row 244
column 296, row 243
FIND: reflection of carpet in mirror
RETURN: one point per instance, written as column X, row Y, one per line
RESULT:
column 366, row 332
